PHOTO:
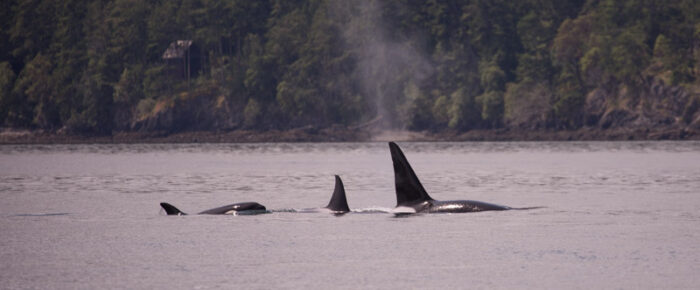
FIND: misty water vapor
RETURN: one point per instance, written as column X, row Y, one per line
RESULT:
column 389, row 66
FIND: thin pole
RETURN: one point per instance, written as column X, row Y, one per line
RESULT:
column 188, row 68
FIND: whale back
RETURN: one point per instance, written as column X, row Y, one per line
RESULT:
column 338, row 201
column 409, row 190
column 236, row 208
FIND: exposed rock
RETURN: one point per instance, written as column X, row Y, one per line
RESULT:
column 594, row 107
column 617, row 118
column 652, row 105
column 196, row 111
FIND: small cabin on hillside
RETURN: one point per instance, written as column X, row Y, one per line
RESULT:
column 183, row 59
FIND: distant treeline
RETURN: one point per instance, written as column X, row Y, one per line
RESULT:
column 94, row 67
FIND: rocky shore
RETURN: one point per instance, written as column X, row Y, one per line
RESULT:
column 339, row 134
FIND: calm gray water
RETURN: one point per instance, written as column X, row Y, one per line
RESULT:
column 617, row 215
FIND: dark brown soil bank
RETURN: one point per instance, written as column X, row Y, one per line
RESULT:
column 339, row 134
column 584, row 134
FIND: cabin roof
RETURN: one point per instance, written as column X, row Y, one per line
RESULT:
column 177, row 49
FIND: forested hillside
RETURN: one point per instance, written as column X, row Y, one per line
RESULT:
column 104, row 66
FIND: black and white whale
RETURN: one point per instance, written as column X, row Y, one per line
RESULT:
column 411, row 197
column 233, row 209
column 337, row 205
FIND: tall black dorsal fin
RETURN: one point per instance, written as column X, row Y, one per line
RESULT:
column 408, row 187
column 338, row 201
column 170, row 209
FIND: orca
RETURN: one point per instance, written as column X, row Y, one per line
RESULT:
column 411, row 197
column 234, row 209
column 338, row 203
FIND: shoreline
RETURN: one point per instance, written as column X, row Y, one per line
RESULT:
column 335, row 134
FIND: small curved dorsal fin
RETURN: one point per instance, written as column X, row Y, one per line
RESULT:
column 338, row 201
column 170, row 209
column 408, row 188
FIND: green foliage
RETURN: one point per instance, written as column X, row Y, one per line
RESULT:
column 127, row 24
column 127, row 94
column 672, row 60
column 252, row 113
column 35, row 84
column 536, row 32
column 692, row 107
column 463, row 112
column 32, row 26
column 414, row 111
column 569, row 108
column 662, row 48
column 440, row 111
column 259, row 78
column 91, row 66
column 15, row 108
column 7, row 81
column 95, row 114
column 628, row 56
column 492, row 77
column 569, row 45
column 129, row 89
column 145, row 107
column 158, row 82
column 491, row 107
column 527, row 104
column 569, row 103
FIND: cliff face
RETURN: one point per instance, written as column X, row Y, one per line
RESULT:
column 652, row 104
column 199, row 110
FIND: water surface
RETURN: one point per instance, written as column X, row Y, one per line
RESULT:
column 617, row 215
